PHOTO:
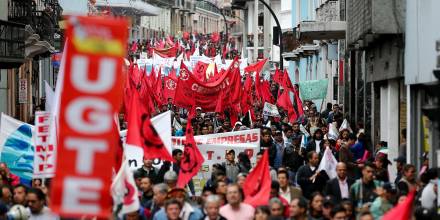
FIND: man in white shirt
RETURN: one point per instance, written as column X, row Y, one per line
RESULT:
column 339, row 187
column 36, row 200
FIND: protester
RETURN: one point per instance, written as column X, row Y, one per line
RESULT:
column 244, row 164
column 298, row 209
column 338, row 213
column 187, row 211
column 159, row 196
column 36, row 201
column 308, row 176
column 316, row 144
column 8, row 178
column 148, row 170
column 287, row 191
column 316, row 205
column 146, row 193
column 408, row 181
column 236, row 209
column 212, row 208
column 363, row 191
column 383, row 202
column 262, row 213
column 172, row 210
column 232, row 168
column 20, row 192
column 339, row 188
column 276, row 207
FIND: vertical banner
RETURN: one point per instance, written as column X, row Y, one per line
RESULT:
column 45, row 153
column 91, row 95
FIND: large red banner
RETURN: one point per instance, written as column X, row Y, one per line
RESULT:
column 205, row 94
column 91, row 95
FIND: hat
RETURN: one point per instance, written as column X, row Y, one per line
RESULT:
column 278, row 132
column 170, row 175
column 231, row 151
column 400, row 159
column 199, row 108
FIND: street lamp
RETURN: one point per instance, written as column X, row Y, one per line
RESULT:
column 239, row 5
column 221, row 12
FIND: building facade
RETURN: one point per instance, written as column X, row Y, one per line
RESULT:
column 422, row 48
column 30, row 34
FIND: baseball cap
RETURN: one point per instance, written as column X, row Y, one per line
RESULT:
column 199, row 108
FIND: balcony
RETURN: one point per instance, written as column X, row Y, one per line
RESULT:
column 11, row 44
column 206, row 6
column 328, row 24
column 130, row 7
column 323, row 30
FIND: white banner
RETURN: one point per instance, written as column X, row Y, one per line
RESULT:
column 45, row 153
column 213, row 148
column 270, row 110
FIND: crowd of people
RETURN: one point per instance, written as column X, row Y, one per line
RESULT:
column 207, row 44
column 362, row 189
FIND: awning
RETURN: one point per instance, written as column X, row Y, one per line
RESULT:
column 322, row 30
column 129, row 7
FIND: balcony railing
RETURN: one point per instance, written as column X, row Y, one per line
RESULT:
column 11, row 44
column 207, row 6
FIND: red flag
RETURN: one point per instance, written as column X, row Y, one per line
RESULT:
column 134, row 47
column 169, row 87
column 298, row 101
column 265, row 92
column 166, row 53
column 200, row 70
column 257, row 185
column 256, row 67
column 142, row 133
column 287, row 84
column 215, row 37
column 278, row 77
column 192, row 159
column 159, row 96
column 145, row 94
column 258, row 86
column 172, row 74
column 285, row 102
column 246, row 101
column 403, row 210
column 219, row 107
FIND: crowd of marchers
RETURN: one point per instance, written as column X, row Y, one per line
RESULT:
column 363, row 188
